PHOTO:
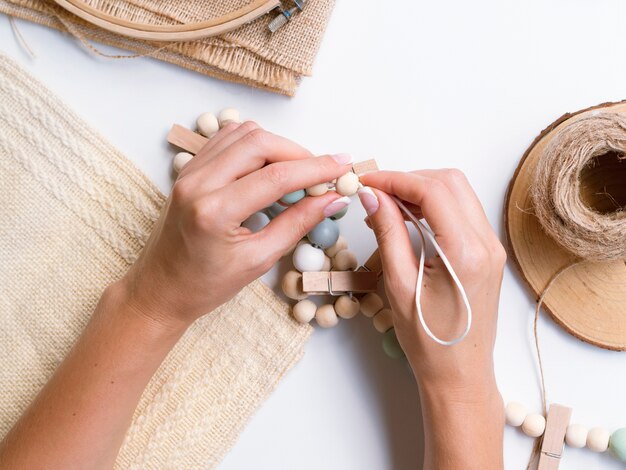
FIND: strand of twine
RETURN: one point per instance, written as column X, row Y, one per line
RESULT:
column 20, row 39
column 566, row 218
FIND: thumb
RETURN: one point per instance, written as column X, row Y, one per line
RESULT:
column 392, row 236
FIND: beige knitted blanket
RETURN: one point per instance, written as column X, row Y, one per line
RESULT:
column 74, row 214
column 249, row 55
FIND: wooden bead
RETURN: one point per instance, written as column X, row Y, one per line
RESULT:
column 326, row 316
column 229, row 115
column 207, row 124
column 534, row 425
column 515, row 413
column 307, row 258
column 304, row 311
column 391, row 346
column 317, row 190
column 617, row 444
column 371, row 304
column 340, row 244
column 328, row 264
column 180, row 160
column 345, row 260
column 576, row 436
column 292, row 286
column 383, row 320
column 347, row 307
column 347, row 185
column 598, row 439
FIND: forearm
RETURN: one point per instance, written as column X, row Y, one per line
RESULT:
column 463, row 428
column 80, row 417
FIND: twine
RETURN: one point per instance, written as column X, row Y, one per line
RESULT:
column 561, row 211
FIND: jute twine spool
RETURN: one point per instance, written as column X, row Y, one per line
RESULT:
column 557, row 195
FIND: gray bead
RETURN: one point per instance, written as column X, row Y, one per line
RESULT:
column 340, row 214
column 275, row 209
column 292, row 198
column 325, row 234
column 256, row 222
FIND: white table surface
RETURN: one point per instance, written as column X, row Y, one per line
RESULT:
column 420, row 85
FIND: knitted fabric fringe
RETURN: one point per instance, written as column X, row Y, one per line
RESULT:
column 248, row 55
column 75, row 214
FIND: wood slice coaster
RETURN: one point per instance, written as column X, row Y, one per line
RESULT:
column 588, row 300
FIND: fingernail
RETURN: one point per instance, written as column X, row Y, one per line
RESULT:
column 335, row 206
column 343, row 158
column 368, row 200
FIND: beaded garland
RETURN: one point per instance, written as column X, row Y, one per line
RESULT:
column 323, row 249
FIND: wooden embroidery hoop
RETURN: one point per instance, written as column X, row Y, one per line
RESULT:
column 174, row 32
column 589, row 300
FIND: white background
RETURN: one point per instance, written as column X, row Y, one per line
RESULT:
column 417, row 85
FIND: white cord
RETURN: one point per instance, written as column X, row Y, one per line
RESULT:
column 424, row 230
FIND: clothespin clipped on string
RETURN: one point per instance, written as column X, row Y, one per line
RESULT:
column 554, row 437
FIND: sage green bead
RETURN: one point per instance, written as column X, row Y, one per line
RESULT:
column 292, row 198
column 391, row 346
column 617, row 444
column 340, row 214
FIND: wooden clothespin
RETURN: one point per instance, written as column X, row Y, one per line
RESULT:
column 185, row 139
column 554, row 437
column 373, row 264
column 365, row 166
column 336, row 282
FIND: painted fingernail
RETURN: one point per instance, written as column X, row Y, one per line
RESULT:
column 343, row 158
column 336, row 206
column 368, row 200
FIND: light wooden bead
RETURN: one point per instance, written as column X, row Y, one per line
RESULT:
column 515, row 413
column 317, row 190
column 229, row 115
column 292, row 286
column 347, row 307
column 326, row 316
column 383, row 320
column 180, row 160
column 534, row 425
column 340, row 244
column 207, row 124
column 328, row 264
column 598, row 439
column 576, row 436
column 371, row 304
column 304, row 311
column 348, row 184
column 345, row 260
column 307, row 258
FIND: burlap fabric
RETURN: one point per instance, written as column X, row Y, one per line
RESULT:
column 249, row 55
column 74, row 215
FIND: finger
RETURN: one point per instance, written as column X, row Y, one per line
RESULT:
column 239, row 130
column 284, row 231
column 439, row 207
column 461, row 189
column 392, row 236
column 206, row 152
column 251, row 152
column 261, row 188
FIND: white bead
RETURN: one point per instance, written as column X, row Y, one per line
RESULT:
column 347, row 307
column 180, row 160
column 371, row 304
column 307, row 258
column 304, row 311
column 340, row 244
column 326, row 316
column 227, row 115
column 345, row 260
column 328, row 264
column 383, row 320
column 348, row 184
column 207, row 124
column 290, row 251
column 317, row 190
column 292, row 286
column 576, row 436
column 598, row 439
column 534, row 425
column 515, row 413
